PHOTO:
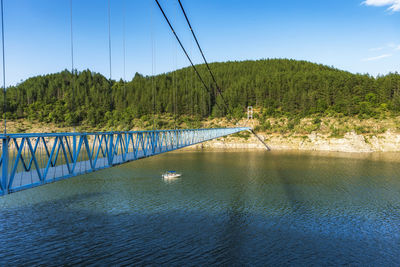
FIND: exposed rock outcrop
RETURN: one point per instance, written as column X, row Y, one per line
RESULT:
column 350, row 142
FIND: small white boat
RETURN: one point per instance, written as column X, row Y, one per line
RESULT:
column 171, row 174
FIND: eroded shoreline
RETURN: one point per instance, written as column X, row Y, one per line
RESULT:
column 350, row 143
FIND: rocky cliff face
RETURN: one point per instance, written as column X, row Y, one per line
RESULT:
column 351, row 142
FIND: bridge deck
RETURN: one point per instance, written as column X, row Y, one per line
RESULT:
column 30, row 160
column 23, row 179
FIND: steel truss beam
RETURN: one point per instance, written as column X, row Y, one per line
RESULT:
column 29, row 160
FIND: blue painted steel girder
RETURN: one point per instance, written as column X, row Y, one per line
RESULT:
column 30, row 160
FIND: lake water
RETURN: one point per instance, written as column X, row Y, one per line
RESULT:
column 228, row 208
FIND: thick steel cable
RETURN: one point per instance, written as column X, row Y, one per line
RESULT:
column 202, row 54
column 184, row 50
column 4, row 70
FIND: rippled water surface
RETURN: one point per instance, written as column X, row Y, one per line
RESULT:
column 229, row 208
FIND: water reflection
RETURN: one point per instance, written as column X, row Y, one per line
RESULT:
column 171, row 180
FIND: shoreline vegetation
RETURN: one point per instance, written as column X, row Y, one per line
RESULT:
column 328, row 134
column 298, row 105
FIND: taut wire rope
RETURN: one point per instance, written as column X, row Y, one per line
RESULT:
column 202, row 54
column 153, row 65
column 174, row 79
column 72, row 57
column 124, row 44
column 4, row 70
column 109, row 37
column 72, row 37
column 184, row 50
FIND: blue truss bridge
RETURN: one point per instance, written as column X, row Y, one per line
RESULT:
column 30, row 160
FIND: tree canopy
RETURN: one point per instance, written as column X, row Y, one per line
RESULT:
column 278, row 86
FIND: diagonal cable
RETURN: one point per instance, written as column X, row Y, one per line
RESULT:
column 202, row 54
column 184, row 50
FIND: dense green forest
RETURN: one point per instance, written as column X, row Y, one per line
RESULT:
column 280, row 87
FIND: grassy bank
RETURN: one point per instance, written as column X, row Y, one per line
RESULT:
column 334, row 127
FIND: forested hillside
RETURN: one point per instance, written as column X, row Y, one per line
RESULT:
column 281, row 87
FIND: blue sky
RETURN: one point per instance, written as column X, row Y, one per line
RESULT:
column 353, row 35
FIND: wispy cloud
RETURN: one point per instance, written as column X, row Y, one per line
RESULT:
column 376, row 49
column 393, row 5
column 378, row 57
column 392, row 47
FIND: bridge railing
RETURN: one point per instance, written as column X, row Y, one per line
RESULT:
column 29, row 160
